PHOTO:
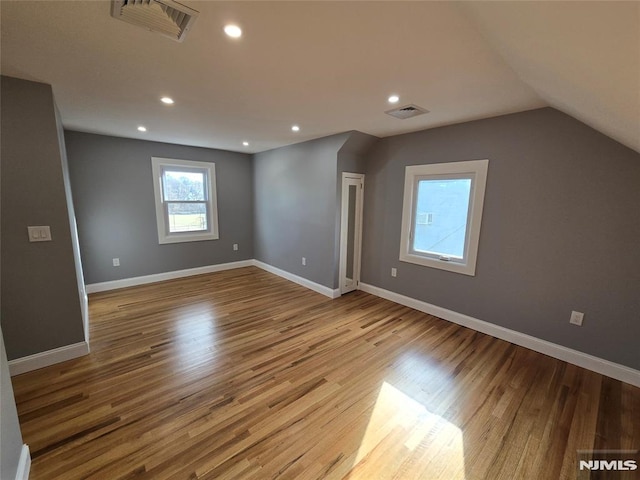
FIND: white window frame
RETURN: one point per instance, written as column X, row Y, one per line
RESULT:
column 158, row 166
column 476, row 170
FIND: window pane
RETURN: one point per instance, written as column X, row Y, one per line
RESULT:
column 351, row 230
column 442, row 208
column 187, row 217
column 185, row 186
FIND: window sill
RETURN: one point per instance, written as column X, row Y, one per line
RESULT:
column 192, row 237
column 450, row 266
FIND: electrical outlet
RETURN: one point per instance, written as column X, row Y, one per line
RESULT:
column 304, row 260
column 116, row 262
column 394, row 272
column 235, row 246
column 576, row 318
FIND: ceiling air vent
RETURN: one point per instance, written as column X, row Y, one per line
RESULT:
column 407, row 111
column 166, row 17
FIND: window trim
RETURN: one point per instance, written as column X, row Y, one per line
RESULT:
column 158, row 166
column 474, row 169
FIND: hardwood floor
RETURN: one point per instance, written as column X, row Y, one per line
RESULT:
column 241, row 374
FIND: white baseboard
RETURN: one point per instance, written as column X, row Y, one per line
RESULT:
column 599, row 365
column 24, row 464
column 316, row 287
column 50, row 357
column 160, row 277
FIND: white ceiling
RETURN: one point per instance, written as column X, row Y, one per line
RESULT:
column 329, row 67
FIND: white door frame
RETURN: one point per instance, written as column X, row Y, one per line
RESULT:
column 349, row 179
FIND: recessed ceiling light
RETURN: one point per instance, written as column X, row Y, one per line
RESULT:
column 233, row 31
column 142, row 128
column 394, row 99
column 295, row 128
column 167, row 100
column 246, row 144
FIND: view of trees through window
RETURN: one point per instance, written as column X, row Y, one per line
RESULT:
column 185, row 197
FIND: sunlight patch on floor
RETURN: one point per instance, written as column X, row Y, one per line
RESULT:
column 399, row 424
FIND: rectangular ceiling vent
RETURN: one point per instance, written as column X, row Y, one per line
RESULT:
column 407, row 111
column 166, row 17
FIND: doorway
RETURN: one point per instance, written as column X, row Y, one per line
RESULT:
column 351, row 231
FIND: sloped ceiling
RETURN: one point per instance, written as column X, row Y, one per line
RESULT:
column 328, row 66
column 582, row 58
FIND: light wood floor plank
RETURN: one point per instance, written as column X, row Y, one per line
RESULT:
column 241, row 374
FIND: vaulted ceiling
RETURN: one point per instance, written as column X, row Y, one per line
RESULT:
column 328, row 67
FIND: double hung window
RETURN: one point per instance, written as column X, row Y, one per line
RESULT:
column 185, row 197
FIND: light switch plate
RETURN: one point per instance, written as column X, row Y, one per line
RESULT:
column 40, row 233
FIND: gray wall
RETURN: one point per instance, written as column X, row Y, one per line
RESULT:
column 560, row 231
column 10, row 436
column 41, row 308
column 113, row 197
column 351, row 159
column 75, row 241
column 295, row 208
